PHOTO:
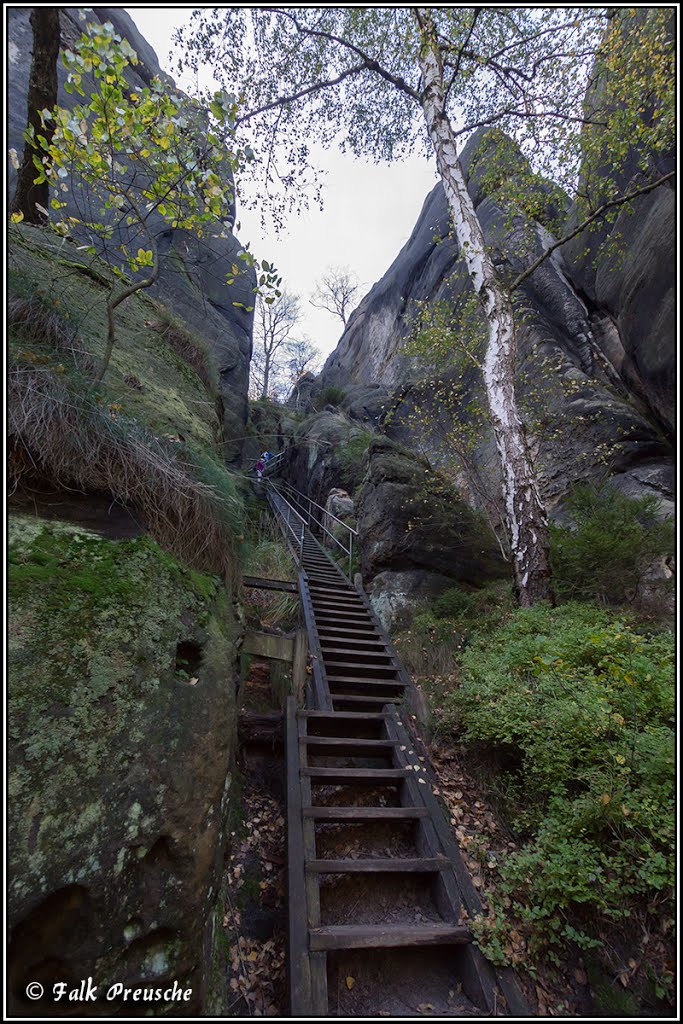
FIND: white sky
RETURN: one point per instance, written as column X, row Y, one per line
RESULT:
column 370, row 209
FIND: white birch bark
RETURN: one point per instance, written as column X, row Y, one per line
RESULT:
column 526, row 519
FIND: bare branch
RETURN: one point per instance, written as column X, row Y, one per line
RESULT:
column 282, row 101
column 368, row 62
column 600, row 212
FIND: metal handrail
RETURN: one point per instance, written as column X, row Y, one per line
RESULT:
column 273, row 461
column 297, row 535
column 310, row 502
column 306, row 505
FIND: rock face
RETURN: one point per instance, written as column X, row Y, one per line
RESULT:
column 327, row 450
column 411, row 518
column 603, row 376
column 192, row 272
column 119, row 761
column 123, row 654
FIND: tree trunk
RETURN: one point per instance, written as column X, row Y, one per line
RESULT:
column 526, row 519
column 42, row 93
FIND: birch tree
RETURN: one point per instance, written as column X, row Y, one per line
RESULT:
column 383, row 81
column 335, row 292
column 274, row 321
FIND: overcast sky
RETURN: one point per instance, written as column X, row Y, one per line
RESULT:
column 370, row 209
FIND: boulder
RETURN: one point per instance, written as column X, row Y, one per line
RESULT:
column 119, row 762
column 412, row 518
column 397, row 596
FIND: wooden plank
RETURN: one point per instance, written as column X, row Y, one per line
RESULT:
column 352, row 667
column 365, row 813
column 268, row 645
column 355, row 698
column 320, row 688
column 368, row 775
column 265, row 584
column 369, row 682
column 376, row 936
column 333, row 715
column 298, row 961
column 347, row 741
column 317, row 960
column 379, row 865
column 325, row 630
column 353, row 645
column 299, row 661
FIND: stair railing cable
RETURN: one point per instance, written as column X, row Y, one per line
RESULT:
column 316, row 514
column 293, row 524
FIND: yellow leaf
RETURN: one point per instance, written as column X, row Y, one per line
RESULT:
column 625, row 811
column 17, row 217
column 605, row 798
column 350, row 982
column 253, row 956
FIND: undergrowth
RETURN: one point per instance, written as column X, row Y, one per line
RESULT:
column 268, row 557
column 608, row 546
column 577, row 709
column 59, row 432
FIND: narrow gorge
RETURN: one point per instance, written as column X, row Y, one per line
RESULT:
column 171, row 634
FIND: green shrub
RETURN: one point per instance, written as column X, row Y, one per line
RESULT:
column 602, row 555
column 331, row 395
column 453, row 603
column 350, row 458
column 578, row 708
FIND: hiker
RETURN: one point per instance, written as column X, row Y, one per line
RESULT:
column 259, row 468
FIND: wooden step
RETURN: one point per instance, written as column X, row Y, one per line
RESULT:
column 347, row 741
column 374, row 936
column 331, row 746
column 362, row 776
column 356, row 698
column 364, row 681
column 379, row 865
column 350, row 642
column 329, row 630
column 359, row 618
column 365, row 813
column 334, row 715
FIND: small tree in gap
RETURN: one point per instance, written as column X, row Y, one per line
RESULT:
column 336, row 292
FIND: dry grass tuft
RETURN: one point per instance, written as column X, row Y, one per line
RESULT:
column 38, row 325
column 58, row 434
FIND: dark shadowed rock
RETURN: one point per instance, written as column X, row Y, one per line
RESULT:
column 410, row 517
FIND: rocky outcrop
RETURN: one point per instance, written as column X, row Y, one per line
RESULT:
column 585, row 415
column 120, row 762
column 327, row 450
column 396, row 596
column 192, row 272
column 122, row 661
column 412, row 518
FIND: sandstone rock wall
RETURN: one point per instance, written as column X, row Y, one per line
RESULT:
column 598, row 347
column 192, row 272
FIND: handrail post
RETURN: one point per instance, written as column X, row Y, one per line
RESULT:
column 350, row 554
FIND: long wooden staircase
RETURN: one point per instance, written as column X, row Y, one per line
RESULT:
column 372, row 864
